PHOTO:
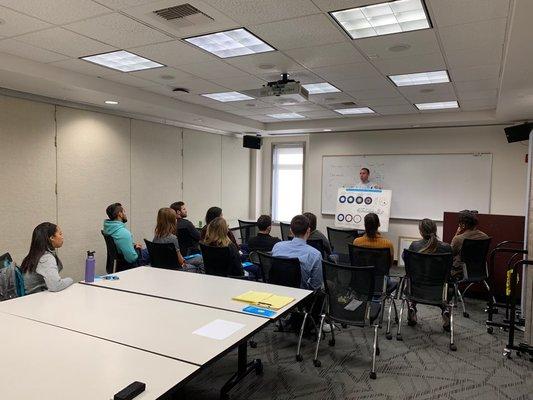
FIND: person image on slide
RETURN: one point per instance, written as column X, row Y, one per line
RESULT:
column 365, row 182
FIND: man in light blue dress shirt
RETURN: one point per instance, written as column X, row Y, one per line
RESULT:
column 310, row 258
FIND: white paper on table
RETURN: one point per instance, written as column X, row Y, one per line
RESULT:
column 219, row 329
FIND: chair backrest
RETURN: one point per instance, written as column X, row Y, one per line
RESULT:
column 285, row 230
column 319, row 245
column 254, row 257
column 427, row 275
column 5, row 260
column 187, row 243
column 349, row 291
column 115, row 262
column 474, row 255
column 379, row 258
column 162, row 255
column 280, row 271
column 339, row 239
column 247, row 229
column 216, row 260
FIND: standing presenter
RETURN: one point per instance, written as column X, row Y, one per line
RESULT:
column 364, row 180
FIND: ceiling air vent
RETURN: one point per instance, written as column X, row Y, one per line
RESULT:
column 184, row 15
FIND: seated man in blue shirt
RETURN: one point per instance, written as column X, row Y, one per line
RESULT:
column 310, row 258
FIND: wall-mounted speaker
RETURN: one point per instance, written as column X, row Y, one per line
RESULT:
column 251, row 142
column 518, row 133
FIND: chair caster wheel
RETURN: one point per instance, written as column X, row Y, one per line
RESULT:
column 388, row 336
column 317, row 363
column 466, row 315
column 258, row 367
column 490, row 330
column 373, row 375
column 299, row 358
column 253, row 344
column 331, row 342
column 399, row 338
column 378, row 351
column 453, row 347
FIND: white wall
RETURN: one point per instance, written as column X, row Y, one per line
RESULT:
column 101, row 159
column 508, row 170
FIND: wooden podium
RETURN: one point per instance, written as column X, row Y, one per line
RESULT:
column 500, row 228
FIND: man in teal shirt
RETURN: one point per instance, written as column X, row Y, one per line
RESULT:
column 115, row 227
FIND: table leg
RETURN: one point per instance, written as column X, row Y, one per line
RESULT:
column 243, row 369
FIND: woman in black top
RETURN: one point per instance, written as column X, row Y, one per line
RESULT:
column 217, row 236
column 211, row 214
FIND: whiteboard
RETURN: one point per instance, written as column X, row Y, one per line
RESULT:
column 423, row 185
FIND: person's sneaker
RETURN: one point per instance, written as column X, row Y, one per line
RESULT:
column 411, row 317
column 326, row 328
column 446, row 321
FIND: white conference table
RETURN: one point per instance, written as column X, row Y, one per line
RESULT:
column 43, row 362
column 152, row 324
column 207, row 290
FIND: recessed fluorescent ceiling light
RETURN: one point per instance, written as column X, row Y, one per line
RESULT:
column 112, row 102
column 437, row 105
column 383, row 19
column 319, row 88
column 237, row 42
column 122, row 61
column 286, row 116
column 228, row 96
column 352, row 111
column 422, row 78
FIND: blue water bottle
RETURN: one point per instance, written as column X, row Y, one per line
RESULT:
column 90, row 264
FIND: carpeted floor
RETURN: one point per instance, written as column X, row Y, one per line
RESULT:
column 420, row 367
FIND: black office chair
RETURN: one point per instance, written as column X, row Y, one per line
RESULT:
column 319, row 245
column 163, row 255
column 115, row 262
column 247, row 230
column 5, row 259
column 285, row 230
column 381, row 259
column 188, row 245
column 350, row 300
column 339, row 239
column 426, row 282
column 217, row 260
column 474, row 256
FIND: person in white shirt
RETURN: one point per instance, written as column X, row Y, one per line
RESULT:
column 365, row 182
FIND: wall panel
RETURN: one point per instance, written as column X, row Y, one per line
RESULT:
column 235, row 179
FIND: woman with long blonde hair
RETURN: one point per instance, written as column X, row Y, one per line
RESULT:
column 216, row 235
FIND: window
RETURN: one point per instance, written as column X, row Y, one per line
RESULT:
column 287, row 181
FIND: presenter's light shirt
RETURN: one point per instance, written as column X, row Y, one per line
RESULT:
column 367, row 185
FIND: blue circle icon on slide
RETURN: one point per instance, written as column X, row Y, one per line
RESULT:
column 368, row 200
column 350, row 199
column 349, row 218
column 359, row 200
column 342, row 199
column 340, row 217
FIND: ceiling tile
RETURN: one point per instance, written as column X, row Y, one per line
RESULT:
column 362, row 84
column 454, row 12
column 409, row 64
column 120, row 4
column 263, row 118
column 473, row 35
column 334, row 5
column 173, row 53
column 474, row 57
column 163, row 76
column 429, row 93
column 253, row 12
column 320, row 114
column 327, row 55
column 21, row 49
column 415, row 44
column 299, row 32
column 250, row 104
column 347, row 71
column 265, row 63
column 212, row 70
column 301, row 76
column 479, row 104
column 474, row 86
column 308, row 107
column 65, row 42
column 130, row 80
column 480, row 94
column 15, row 23
column 393, row 110
column 57, row 12
column 392, row 101
column 474, row 73
column 84, row 67
column 242, row 82
column 195, row 86
column 118, row 30
column 374, row 94
column 327, row 98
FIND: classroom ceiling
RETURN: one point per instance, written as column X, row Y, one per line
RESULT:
column 483, row 44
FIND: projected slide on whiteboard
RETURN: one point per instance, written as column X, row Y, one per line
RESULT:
column 424, row 185
column 353, row 204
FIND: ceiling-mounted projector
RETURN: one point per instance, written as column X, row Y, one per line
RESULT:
column 283, row 92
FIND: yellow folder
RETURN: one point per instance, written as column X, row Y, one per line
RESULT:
column 264, row 299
